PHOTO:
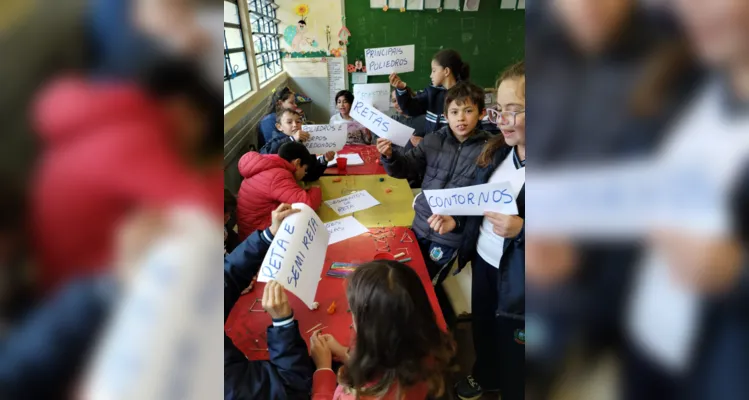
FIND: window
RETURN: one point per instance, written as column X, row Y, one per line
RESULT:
column 264, row 27
column 236, row 71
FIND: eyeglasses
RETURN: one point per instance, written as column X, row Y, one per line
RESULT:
column 503, row 117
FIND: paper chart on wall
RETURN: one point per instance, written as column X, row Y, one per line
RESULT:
column 336, row 78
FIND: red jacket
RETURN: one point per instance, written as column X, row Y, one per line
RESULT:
column 107, row 151
column 268, row 181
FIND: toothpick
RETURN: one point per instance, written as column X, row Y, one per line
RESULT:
column 314, row 327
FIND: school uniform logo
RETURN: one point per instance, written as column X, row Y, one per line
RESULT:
column 520, row 336
column 436, row 253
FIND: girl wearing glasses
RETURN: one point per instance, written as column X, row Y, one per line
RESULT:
column 494, row 244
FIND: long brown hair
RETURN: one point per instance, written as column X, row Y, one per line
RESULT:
column 515, row 71
column 397, row 340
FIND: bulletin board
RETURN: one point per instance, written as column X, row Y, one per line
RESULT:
column 489, row 40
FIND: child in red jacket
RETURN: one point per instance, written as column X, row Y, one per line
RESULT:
column 272, row 179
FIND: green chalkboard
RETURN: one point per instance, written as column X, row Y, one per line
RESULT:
column 489, row 40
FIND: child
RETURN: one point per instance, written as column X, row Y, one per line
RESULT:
column 417, row 123
column 343, row 100
column 270, row 180
column 289, row 129
column 495, row 247
column 447, row 70
column 400, row 353
column 446, row 159
column 231, row 239
column 288, row 373
column 281, row 99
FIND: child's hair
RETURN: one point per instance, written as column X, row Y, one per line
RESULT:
column 451, row 59
column 397, row 339
column 230, row 202
column 465, row 91
column 280, row 113
column 279, row 96
column 346, row 94
column 515, row 71
column 290, row 151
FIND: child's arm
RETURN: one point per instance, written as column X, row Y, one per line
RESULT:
column 242, row 264
column 412, row 106
column 402, row 164
column 323, row 384
column 286, row 190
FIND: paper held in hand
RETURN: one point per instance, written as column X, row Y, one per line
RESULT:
column 325, row 138
column 380, row 124
column 473, row 200
column 354, row 202
column 296, row 256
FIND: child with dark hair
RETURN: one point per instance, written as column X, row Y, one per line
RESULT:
column 281, row 99
column 400, row 352
column 231, row 239
column 343, row 100
column 272, row 179
column 289, row 129
column 448, row 69
column 446, row 159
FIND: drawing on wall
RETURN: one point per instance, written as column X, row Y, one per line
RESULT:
column 344, row 33
column 471, row 5
column 357, row 66
column 297, row 36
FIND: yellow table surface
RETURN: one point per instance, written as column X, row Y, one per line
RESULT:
column 395, row 208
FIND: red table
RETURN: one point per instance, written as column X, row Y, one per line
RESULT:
column 248, row 329
column 369, row 154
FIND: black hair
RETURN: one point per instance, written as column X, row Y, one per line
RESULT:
column 280, row 113
column 346, row 94
column 279, row 95
column 303, row 22
column 290, row 151
column 465, row 91
column 230, row 201
column 179, row 77
column 398, row 340
column 451, row 59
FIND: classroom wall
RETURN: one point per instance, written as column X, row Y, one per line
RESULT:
column 489, row 40
column 311, row 40
column 241, row 138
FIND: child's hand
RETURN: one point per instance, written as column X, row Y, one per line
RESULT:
column 385, row 147
column 275, row 301
column 338, row 350
column 320, row 352
column 442, row 224
column 507, row 226
column 415, row 140
column 301, row 136
column 277, row 216
column 396, row 81
column 329, row 156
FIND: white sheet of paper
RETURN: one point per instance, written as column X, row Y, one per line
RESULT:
column 344, row 228
column 296, row 255
column 376, row 94
column 353, row 159
column 452, row 4
column 414, row 5
column 396, row 4
column 471, row 5
column 473, row 200
column 380, row 124
column 432, row 4
column 324, row 138
column 384, row 60
column 352, row 203
column 377, row 3
column 508, row 4
column 358, row 77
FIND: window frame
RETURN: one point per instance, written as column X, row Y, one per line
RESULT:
column 265, row 13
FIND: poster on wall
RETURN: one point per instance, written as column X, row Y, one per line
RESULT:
column 336, row 78
column 414, row 4
column 397, row 4
column 377, row 3
column 471, row 5
column 432, row 4
column 508, row 4
column 452, row 5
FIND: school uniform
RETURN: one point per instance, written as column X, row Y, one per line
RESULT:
column 360, row 136
column 445, row 163
column 288, row 373
column 266, row 128
column 498, row 286
column 430, row 101
column 314, row 171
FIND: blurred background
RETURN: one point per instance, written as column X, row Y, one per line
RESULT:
column 637, row 214
column 111, row 119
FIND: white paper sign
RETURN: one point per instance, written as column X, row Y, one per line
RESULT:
column 324, row 138
column 344, row 228
column 358, row 77
column 376, row 94
column 380, row 124
column 384, row 60
column 473, row 200
column 352, row 203
column 353, row 159
column 295, row 258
